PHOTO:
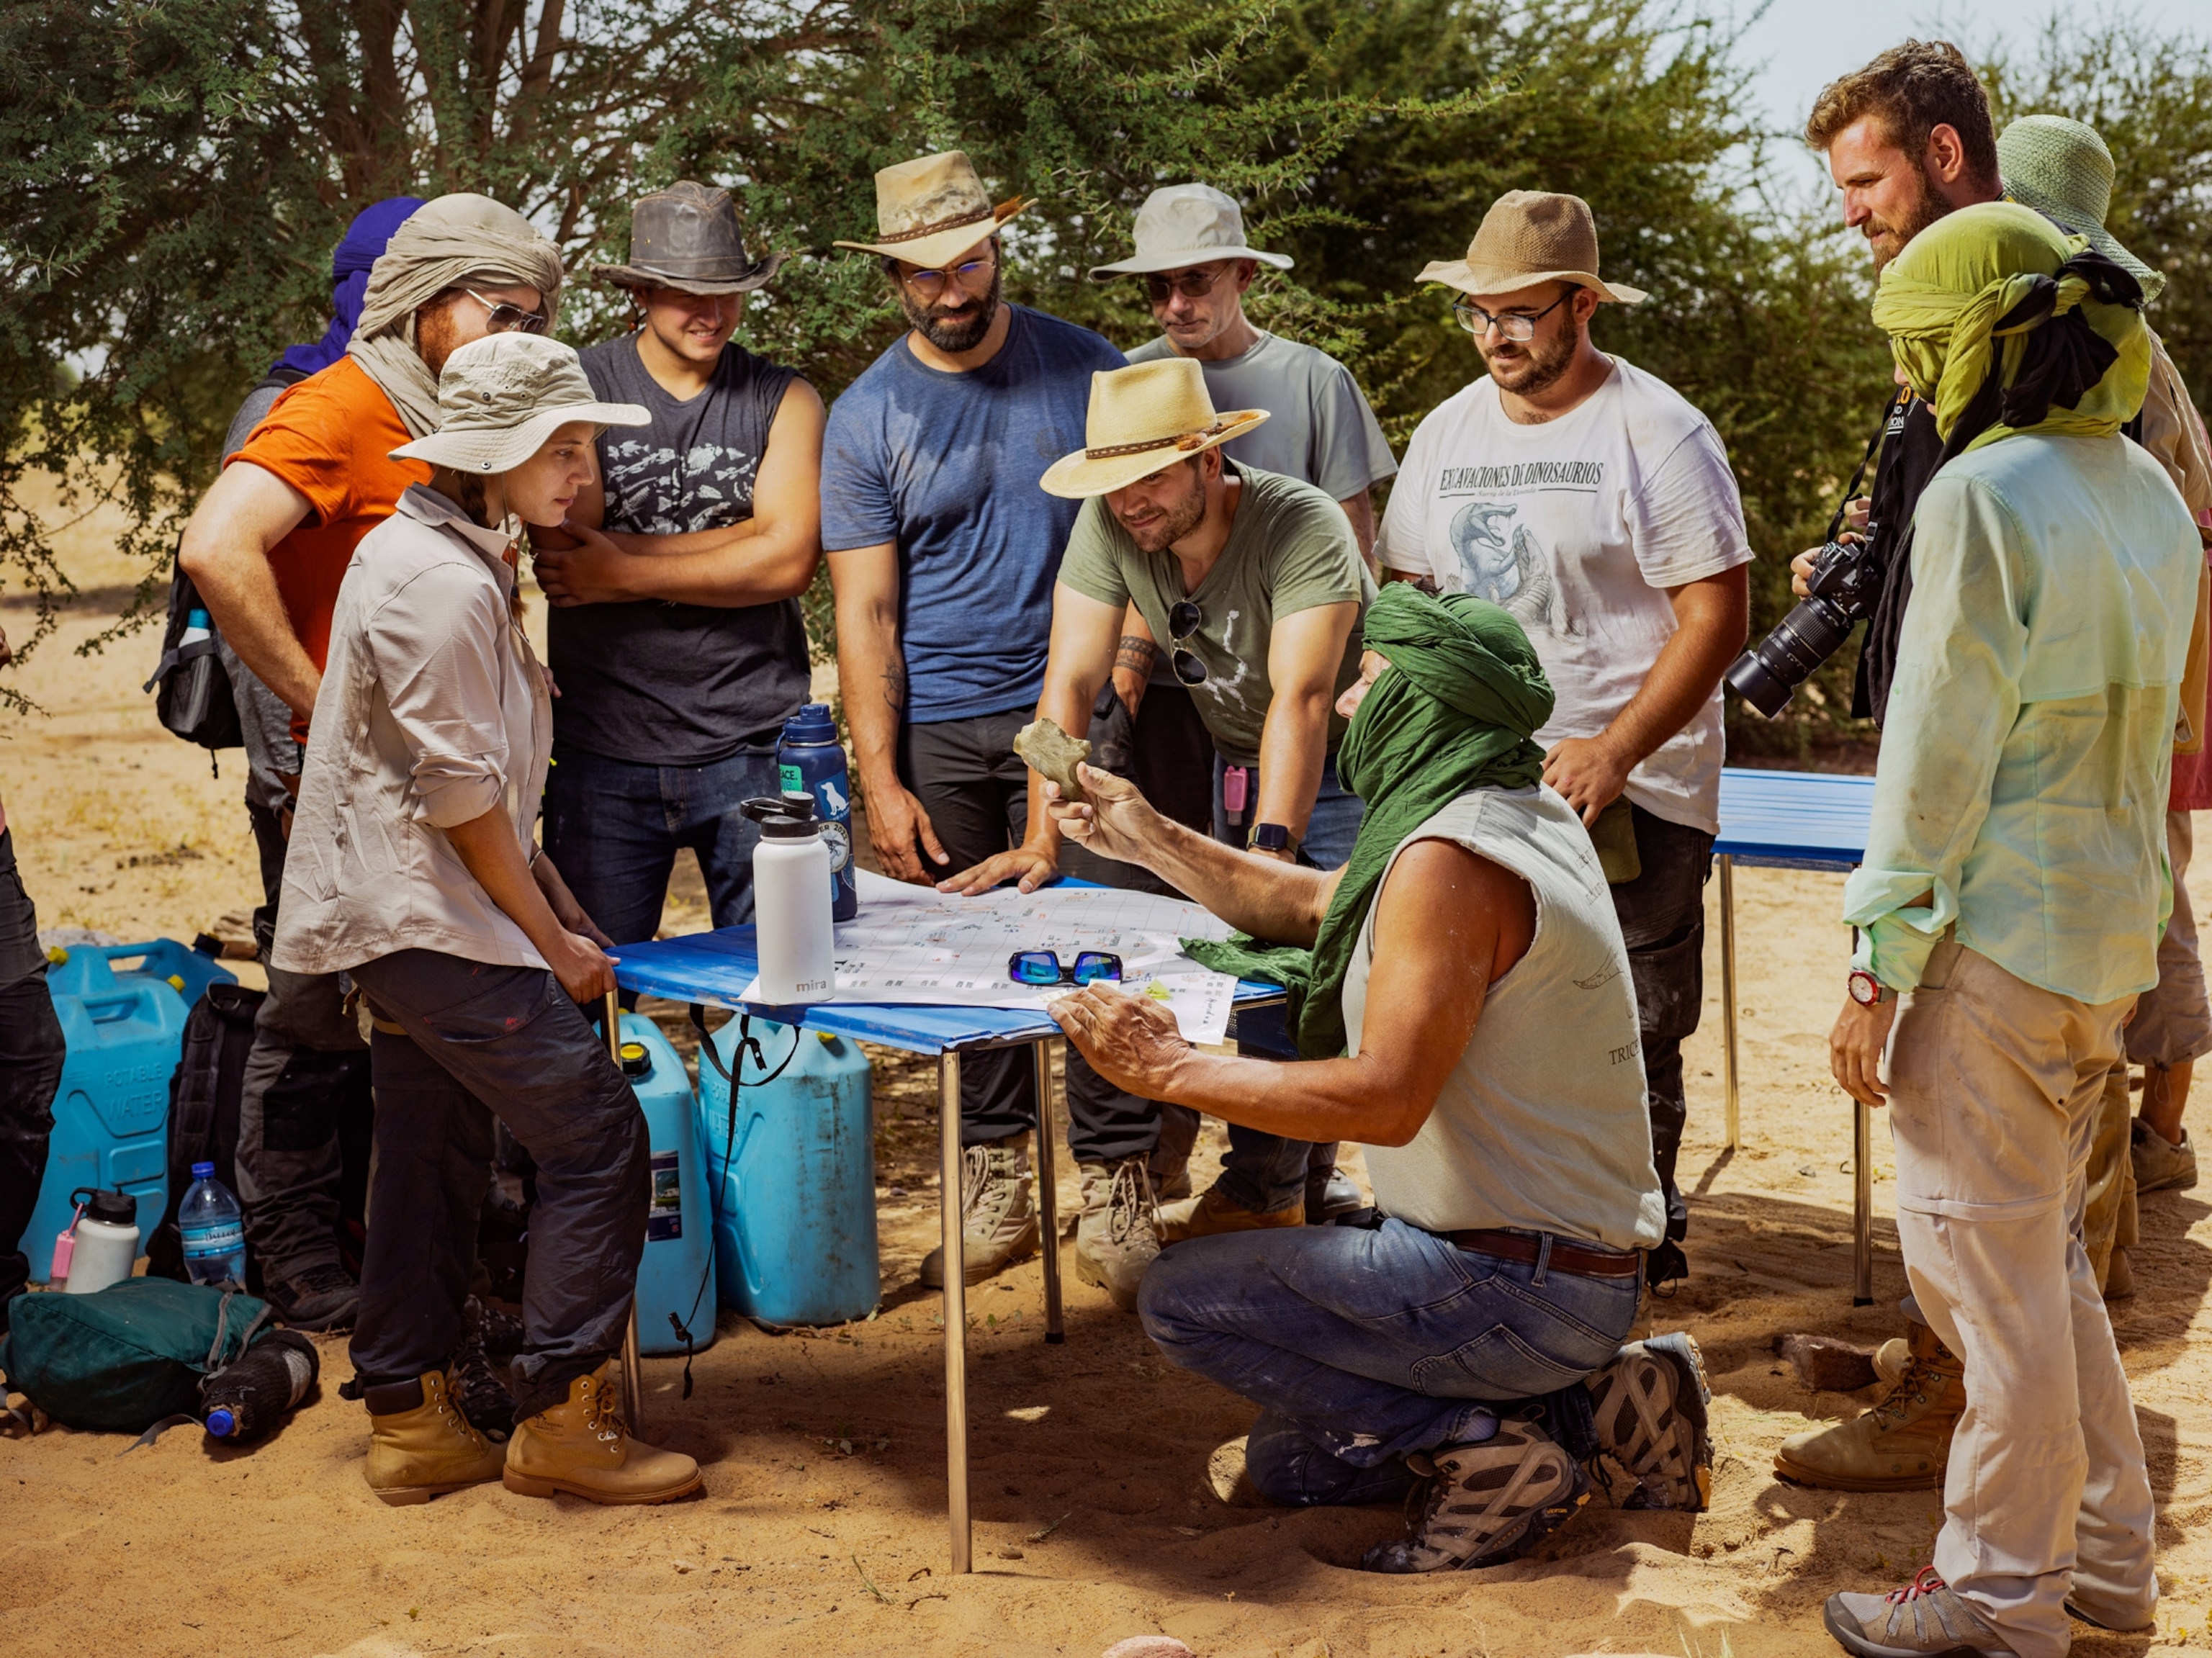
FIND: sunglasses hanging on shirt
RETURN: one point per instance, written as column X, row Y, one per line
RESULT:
column 1184, row 620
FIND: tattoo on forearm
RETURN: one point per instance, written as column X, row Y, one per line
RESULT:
column 1136, row 653
column 895, row 687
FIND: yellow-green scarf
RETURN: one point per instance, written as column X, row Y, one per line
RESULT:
column 1944, row 299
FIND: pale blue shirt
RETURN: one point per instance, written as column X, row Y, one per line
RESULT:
column 2025, row 761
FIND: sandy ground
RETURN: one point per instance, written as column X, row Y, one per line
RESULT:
column 821, row 1530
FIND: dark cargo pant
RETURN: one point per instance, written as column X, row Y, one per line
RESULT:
column 32, row 1051
column 484, row 1040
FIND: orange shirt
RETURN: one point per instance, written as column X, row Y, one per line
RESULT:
column 330, row 437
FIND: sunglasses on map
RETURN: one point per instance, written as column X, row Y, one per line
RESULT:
column 1042, row 967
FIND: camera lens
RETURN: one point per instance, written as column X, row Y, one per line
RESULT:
column 1768, row 674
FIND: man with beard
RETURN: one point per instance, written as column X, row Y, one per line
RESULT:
column 943, row 552
column 1597, row 507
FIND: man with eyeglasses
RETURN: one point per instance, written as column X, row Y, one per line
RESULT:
column 1593, row 502
column 268, row 547
column 942, row 554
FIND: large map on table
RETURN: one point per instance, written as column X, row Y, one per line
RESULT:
column 914, row 944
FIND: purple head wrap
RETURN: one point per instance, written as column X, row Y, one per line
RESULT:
column 363, row 242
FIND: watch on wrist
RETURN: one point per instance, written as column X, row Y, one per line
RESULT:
column 1270, row 837
column 1867, row 990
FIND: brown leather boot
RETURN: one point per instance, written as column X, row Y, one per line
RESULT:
column 1901, row 1444
column 420, row 1445
column 581, row 1447
column 1210, row 1215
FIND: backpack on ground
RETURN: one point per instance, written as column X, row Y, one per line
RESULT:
column 204, row 1091
column 195, row 701
column 127, row 1356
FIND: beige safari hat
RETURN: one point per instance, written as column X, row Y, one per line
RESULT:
column 1528, row 237
column 1185, row 225
column 1144, row 419
column 2063, row 170
column 501, row 397
column 932, row 210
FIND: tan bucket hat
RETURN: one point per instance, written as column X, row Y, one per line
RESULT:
column 502, row 396
column 1528, row 237
column 932, row 210
column 1143, row 419
column 1183, row 225
column 2063, row 170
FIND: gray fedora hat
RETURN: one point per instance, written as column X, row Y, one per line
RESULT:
column 686, row 237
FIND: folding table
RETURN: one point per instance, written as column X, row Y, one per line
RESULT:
column 715, row 968
column 1795, row 820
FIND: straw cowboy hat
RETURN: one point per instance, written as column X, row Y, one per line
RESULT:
column 1528, row 237
column 1143, row 419
column 932, row 209
column 2063, row 170
column 502, row 396
column 686, row 237
column 1185, row 225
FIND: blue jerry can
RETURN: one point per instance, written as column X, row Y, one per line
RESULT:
column 123, row 1021
column 795, row 1183
column 676, row 1276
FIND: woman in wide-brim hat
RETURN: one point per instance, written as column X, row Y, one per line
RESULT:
column 413, row 868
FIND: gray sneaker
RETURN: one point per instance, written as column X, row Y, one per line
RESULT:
column 1487, row 1504
column 1926, row 1618
column 1651, row 1405
column 1114, row 1240
column 998, row 1212
column 2160, row 1167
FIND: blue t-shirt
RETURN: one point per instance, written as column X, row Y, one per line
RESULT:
column 947, row 466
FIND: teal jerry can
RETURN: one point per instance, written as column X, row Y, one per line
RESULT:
column 675, row 1275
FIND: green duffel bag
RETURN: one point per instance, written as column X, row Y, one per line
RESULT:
column 125, row 1357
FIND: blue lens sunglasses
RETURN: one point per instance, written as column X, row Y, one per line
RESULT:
column 1042, row 967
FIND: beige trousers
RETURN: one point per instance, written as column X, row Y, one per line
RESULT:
column 2108, row 1200
column 1995, row 1087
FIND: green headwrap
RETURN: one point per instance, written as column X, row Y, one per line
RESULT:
column 1944, row 298
column 1456, row 712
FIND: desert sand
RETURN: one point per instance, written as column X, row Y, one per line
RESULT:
column 821, row 1530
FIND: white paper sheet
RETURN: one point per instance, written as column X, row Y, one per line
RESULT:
column 913, row 944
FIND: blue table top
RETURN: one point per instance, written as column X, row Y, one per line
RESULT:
column 1793, row 819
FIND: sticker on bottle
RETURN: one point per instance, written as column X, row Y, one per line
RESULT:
column 665, row 1219
column 794, row 780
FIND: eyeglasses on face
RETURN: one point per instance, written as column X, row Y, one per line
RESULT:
column 1195, row 284
column 974, row 276
column 1519, row 326
column 504, row 319
column 1042, row 967
column 1184, row 620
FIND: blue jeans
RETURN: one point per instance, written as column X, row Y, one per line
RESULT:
column 612, row 829
column 1363, row 1345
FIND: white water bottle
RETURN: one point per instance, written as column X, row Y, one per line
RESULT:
column 792, row 903
column 104, row 1241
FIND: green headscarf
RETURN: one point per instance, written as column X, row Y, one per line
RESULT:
column 1464, row 695
column 1973, row 289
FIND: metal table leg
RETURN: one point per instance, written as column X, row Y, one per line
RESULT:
column 1727, row 998
column 1861, row 1204
column 633, row 1385
column 956, row 1311
column 1047, row 1193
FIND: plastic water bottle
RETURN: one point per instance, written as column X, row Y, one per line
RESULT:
column 810, row 760
column 214, row 1229
column 197, row 627
column 244, row 1399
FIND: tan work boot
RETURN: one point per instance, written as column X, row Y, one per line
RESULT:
column 1891, row 1361
column 997, row 1211
column 1901, row 1444
column 2160, row 1167
column 420, row 1445
column 1114, row 1241
column 581, row 1447
column 1210, row 1215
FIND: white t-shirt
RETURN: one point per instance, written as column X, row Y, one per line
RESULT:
column 1576, row 526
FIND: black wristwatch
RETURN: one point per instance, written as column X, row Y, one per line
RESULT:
column 1271, row 837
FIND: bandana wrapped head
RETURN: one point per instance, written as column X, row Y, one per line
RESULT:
column 1457, row 710
column 2008, row 326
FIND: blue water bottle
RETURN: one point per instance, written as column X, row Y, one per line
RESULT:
column 212, row 1228
column 812, row 760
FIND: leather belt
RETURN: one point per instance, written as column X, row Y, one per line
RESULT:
column 1582, row 1259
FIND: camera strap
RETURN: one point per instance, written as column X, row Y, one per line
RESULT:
column 1896, row 407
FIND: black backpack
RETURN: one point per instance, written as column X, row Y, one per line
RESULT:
column 205, row 1092
column 195, row 700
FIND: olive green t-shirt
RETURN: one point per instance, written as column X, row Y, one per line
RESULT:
column 1290, row 548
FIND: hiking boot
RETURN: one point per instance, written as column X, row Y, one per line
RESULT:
column 1891, row 1360
column 1211, row 1214
column 581, row 1447
column 322, row 1297
column 2119, row 1276
column 1228, row 1479
column 1486, row 1504
column 1114, row 1238
column 998, row 1213
column 1329, row 1193
column 1926, row 1618
column 1899, row 1445
column 2160, row 1167
column 1650, row 1403
column 479, row 1381
column 420, row 1444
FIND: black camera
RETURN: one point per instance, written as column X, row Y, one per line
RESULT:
column 1840, row 591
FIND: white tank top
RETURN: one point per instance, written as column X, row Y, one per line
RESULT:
column 1542, row 1124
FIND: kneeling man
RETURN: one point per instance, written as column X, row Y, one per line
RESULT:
column 1474, row 1333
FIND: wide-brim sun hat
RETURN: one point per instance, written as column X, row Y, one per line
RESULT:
column 501, row 397
column 1528, row 237
column 2062, row 169
column 1143, row 419
column 933, row 209
column 687, row 237
column 1184, row 225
